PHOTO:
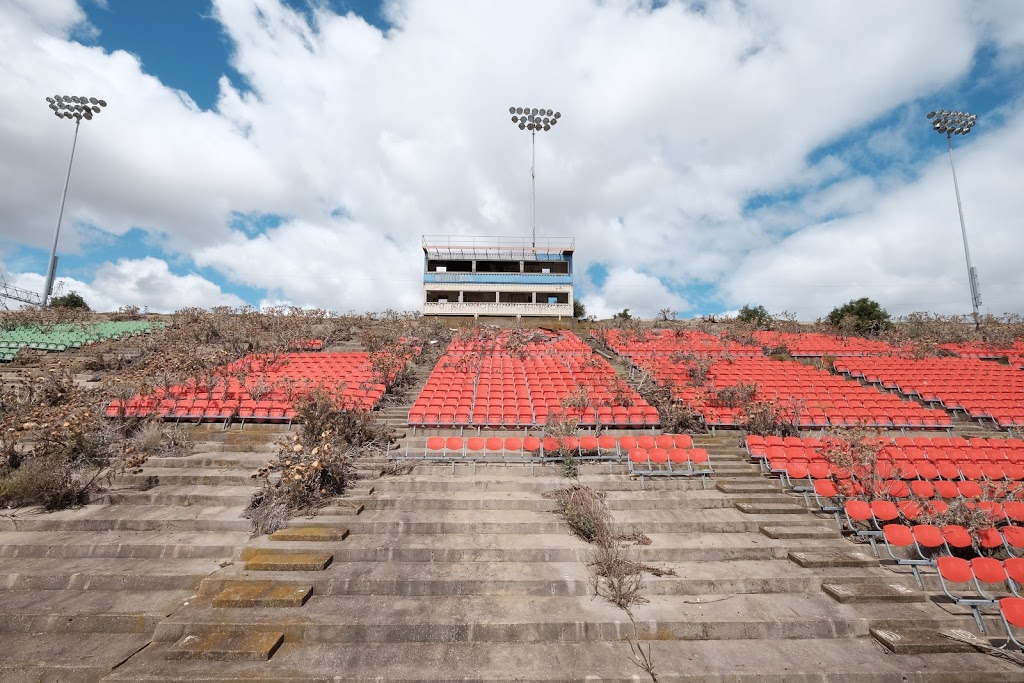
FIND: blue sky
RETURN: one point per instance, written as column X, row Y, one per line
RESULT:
column 711, row 154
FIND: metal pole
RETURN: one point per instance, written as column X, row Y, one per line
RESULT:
column 971, row 278
column 51, row 271
column 533, row 183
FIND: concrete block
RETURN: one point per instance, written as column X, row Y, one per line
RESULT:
column 922, row 641
column 832, row 558
column 870, row 591
column 318, row 534
column 744, row 487
column 227, row 646
column 770, row 508
column 289, row 562
column 262, row 594
column 789, row 532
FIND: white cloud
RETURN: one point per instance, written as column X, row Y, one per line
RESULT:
column 145, row 282
column 673, row 119
column 905, row 248
column 642, row 294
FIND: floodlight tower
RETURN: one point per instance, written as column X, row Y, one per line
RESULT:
column 959, row 123
column 534, row 120
column 77, row 108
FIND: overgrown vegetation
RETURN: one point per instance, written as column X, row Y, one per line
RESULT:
column 315, row 464
column 57, row 448
column 615, row 574
column 70, row 300
column 757, row 316
column 862, row 317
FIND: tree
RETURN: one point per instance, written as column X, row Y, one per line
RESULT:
column 70, row 300
column 755, row 315
column 861, row 316
column 666, row 314
column 623, row 315
column 578, row 309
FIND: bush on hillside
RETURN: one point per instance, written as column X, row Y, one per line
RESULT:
column 862, row 317
column 757, row 316
column 70, row 300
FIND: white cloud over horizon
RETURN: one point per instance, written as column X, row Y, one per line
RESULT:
column 674, row 120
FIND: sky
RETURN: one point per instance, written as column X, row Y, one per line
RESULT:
column 710, row 155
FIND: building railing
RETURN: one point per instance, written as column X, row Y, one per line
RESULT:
column 499, row 278
column 448, row 246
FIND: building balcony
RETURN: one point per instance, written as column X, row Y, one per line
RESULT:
column 498, row 278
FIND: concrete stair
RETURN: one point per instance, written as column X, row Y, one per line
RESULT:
column 83, row 590
column 469, row 573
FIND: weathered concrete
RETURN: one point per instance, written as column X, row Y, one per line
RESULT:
column 705, row 661
column 311, row 534
column 919, row 641
column 848, row 558
column 262, row 594
column 781, row 508
column 227, row 646
column 873, row 591
column 288, row 562
column 791, row 532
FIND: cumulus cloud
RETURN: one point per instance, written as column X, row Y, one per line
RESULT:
column 689, row 151
column 146, row 282
column 644, row 295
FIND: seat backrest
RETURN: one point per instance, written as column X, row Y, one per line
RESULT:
column 927, row 535
column 954, row 569
column 988, row 570
column 858, row 510
column 1013, row 611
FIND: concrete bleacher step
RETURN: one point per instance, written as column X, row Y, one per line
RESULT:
column 806, row 661
column 49, row 574
column 572, row 578
column 519, row 500
column 280, row 561
column 722, row 520
column 216, row 460
column 253, row 593
column 547, row 547
column 87, row 611
column 466, row 481
column 734, row 486
column 142, row 518
column 833, row 558
column 189, row 476
column 183, row 495
column 794, row 532
column 119, row 544
column 228, row 645
column 919, row 641
column 872, row 591
column 84, row 658
column 310, row 534
column 769, row 508
column 496, row 618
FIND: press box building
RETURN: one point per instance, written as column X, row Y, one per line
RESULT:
column 497, row 276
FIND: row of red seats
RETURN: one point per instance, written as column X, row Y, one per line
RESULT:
column 665, row 342
column 278, row 380
column 814, row 344
column 983, row 389
column 503, row 389
column 817, row 398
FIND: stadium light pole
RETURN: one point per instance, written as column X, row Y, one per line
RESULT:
column 77, row 108
column 959, row 123
column 534, row 120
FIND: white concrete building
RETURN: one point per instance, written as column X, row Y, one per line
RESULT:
column 497, row 276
